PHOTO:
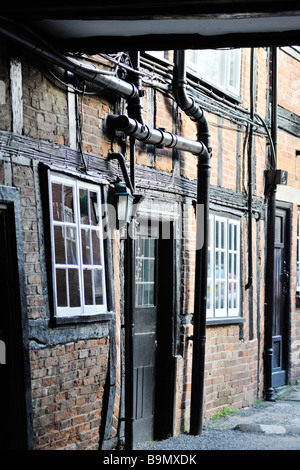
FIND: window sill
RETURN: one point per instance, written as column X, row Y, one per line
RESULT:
column 67, row 320
column 224, row 321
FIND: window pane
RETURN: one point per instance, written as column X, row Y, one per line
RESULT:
column 71, row 245
column 208, row 295
column 217, row 290
column 151, row 247
column 220, row 67
column 88, row 287
column 222, row 276
column 96, row 247
column 59, row 245
column 145, row 271
column 68, row 204
column 230, row 296
column 139, row 291
column 235, row 295
column 235, row 239
column 209, row 264
column 57, row 202
column 217, row 234
column 222, row 235
column 94, row 208
column 210, row 65
column 222, row 295
column 217, row 269
column 74, row 288
column 98, row 283
column 61, row 288
column 150, row 294
column 234, row 69
column 84, row 207
column 86, row 248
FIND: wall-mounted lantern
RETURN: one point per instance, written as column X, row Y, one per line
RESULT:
column 124, row 203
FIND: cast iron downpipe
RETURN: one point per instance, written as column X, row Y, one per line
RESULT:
column 158, row 137
column 250, row 168
column 199, row 335
column 268, row 352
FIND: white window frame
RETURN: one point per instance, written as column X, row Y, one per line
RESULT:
column 225, row 57
column 218, row 300
column 77, row 226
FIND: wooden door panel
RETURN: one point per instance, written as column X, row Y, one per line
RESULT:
column 281, row 300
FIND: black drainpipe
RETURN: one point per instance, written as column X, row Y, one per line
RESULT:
column 135, row 110
column 250, row 168
column 268, row 352
column 199, row 336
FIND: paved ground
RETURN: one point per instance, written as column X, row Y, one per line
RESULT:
column 267, row 426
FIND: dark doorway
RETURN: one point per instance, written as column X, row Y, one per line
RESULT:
column 14, row 434
column 281, row 299
column 153, row 341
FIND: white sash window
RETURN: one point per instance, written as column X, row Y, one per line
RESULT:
column 223, row 279
column 77, row 247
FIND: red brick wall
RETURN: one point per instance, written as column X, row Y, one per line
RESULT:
column 68, row 379
column 67, row 391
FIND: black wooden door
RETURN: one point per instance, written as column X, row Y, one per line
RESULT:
column 153, row 339
column 144, row 342
column 281, row 300
column 13, row 432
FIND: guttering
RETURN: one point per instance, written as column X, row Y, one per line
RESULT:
column 196, row 113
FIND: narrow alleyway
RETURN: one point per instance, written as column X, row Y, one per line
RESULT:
column 267, row 426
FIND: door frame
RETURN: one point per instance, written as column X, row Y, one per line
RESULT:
column 287, row 208
column 10, row 197
column 157, row 215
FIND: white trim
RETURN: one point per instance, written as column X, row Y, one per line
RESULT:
column 16, row 95
column 72, row 118
column 78, row 226
column 219, row 302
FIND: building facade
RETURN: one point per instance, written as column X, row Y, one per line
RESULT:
column 98, row 314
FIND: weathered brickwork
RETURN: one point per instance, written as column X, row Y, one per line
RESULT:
column 68, row 377
column 45, row 106
column 23, row 179
column 67, row 390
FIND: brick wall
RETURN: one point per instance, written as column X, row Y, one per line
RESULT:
column 45, row 105
column 68, row 378
column 67, row 391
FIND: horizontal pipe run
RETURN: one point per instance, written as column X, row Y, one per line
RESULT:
column 83, row 69
column 156, row 137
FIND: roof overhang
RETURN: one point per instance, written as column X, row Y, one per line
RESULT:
column 192, row 24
